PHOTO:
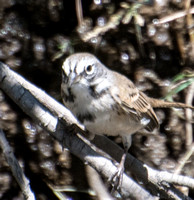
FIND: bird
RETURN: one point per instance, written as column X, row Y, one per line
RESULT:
column 107, row 102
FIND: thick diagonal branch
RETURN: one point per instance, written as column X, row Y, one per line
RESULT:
column 46, row 111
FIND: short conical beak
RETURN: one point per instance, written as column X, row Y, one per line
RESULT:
column 73, row 79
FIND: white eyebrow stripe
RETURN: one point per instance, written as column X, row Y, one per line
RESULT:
column 66, row 68
column 79, row 68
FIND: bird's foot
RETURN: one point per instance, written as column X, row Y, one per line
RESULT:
column 116, row 180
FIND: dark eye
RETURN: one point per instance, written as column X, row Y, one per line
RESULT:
column 89, row 69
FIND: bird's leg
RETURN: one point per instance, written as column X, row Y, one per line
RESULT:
column 118, row 176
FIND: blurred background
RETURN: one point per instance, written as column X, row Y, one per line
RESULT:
column 150, row 42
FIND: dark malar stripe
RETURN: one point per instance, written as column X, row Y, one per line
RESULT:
column 65, row 78
column 95, row 94
column 86, row 117
column 68, row 97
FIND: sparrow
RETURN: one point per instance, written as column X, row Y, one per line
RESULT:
column 107, row 102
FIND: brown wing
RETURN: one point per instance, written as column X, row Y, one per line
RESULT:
column 134, row 102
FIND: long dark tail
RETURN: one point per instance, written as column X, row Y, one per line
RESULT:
column 155, row 103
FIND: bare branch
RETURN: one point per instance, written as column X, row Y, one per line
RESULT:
column 98, row 30
column 15, row 168
column 46, row 114
column 19, row 90
column 174, row 16
column 188, row 115
column 148, row 176
column 97, row 184
column 79, row 11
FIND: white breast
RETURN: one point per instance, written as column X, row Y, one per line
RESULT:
column 113, row 125
column 106, row 120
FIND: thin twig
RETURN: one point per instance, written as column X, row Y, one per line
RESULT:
column 79, row 12
column 98, row 30
column 174, row 16
column 184, row 159
column 189, row 22
column 97, row 184
column 188, row 115
column 21, row 179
